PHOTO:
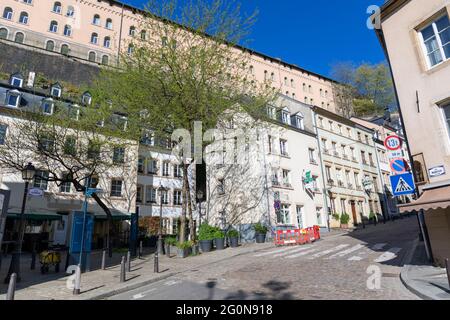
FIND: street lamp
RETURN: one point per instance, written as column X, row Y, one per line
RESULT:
column 159, row 249
column 27, row 175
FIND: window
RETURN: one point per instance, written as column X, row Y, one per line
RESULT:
column 116, row 188
column 150, row 195
column 300, row 211
column 177, row 171
column 50, row 45
column 283, row 147
column 143, row 35
column 166, row 166
column 65, row 186
column 8, row 13
column 86, row 98
column 334, row 148
column 271, row 112
column 284, row 214
column 328, row 173
column 221, row 186
column 132, row 31
column 19, row 37
column 70, row 146
column 93, row 151
column 436, row 41
column 53, row 26
column 3, row 129
column 96, row 20
column 92, row 56
column 70, row 11
column 130, row 49
column 13, row 98
column 41, row 180
column 139, row 194
column 27, row 1
column 16, row 81
column 343, row 207
column 304, row 87
column 371, row 160
column 47, row 107
column 107, row 42
column 65, row 49
column 3, row 33
column 285, row 118
column 270, row 141
column 363, row 157
column 347, row 178
column 321, row 92
column 56, row 91
column 310, row 89
column 57, row 7
column 299, row 121
column 312, row 157
column 286, row 81
column 446, row 111
column 177, row 198
column 141, row 164
column 324, row 145
column 118, row 155
column 148, row 138
column 292, row 83
column 152, row 166
column 356, row 176
column 23, row 18
column 94, row 38
column 339, row 177
column 164, row 196
column 319, row 216
column 109, row 24
column 119, row 122
column 73, row 112
column 67, row 30
column 286, row 178
column 46, row 143
column 272, row 76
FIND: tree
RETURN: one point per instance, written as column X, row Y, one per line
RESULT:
column 187, row 71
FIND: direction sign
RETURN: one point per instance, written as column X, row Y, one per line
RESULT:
column 402, row 184
column 393, row 143
column 398, row 166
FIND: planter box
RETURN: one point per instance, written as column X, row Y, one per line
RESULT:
column 344, row 226
column 234, row 242
column 260, row 237
column 183, row 253
column 220, row 243
column 205, row 245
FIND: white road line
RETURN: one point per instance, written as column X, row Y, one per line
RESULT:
column 142, row 294
column 346, row 252
column 273, row 252
column 171, row 282
column 355, row 258
column 388, row 255
column 323, row 253
column 301, row 254
column 296, row 249
column 379, row 246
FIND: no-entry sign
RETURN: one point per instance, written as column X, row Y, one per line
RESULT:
column 393, row 143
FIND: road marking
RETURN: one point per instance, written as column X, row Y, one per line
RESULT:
column 301, row 254
column 346, row 252
column 142, row 294
column 379, row 246
column 355, row 258
column 171, row 282
column 297, row 249
column 388, row 255
column 273, row 251
column 323, row 253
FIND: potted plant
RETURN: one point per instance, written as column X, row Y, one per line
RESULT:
column 195, row 248
column 373, row 216
column 260, row 232
column 205, row 237
column 169, row 242
column 336, row 216
column 345, row 218
column 219, row 237
column 184, row 249
column 233, row 236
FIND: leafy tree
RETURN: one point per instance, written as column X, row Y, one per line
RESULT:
column 188, row 70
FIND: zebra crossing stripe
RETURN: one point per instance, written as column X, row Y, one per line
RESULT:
column 355, row 258
column 388, row 255
column 272, row 252
column 296, row 249
column 324, row 253
column 301, row 254
column 379, row 246
column 346, row 252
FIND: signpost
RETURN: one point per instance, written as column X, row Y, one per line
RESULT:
column 402, row 184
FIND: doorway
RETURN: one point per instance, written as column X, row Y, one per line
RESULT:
column 355, row 218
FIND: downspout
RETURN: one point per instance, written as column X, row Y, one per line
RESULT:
column 120, row 35
column 383, row 185
column 266, row 187
column 325, row 199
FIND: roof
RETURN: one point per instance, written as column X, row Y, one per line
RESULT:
column 390, row 7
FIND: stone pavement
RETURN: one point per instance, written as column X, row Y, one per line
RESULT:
column 423, row 279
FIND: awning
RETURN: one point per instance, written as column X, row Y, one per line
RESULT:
column 36, row 216
column 430, row 199
column 116, row 216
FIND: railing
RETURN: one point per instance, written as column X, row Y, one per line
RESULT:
column 330, row 182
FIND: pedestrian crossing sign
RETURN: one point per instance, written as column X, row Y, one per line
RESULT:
column 402, row 184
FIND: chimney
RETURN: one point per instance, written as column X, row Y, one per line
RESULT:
column 31, row 76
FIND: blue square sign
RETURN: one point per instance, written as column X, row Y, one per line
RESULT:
column 403, row 184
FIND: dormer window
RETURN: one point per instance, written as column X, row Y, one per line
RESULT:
column 74, row 112
column 285, row 117
column 13, row 98
column 47, row 106
column 119, row 122
column 56, row 91
column 86, row 99
column 271, row 112
column 16, row 80
column 299, row 121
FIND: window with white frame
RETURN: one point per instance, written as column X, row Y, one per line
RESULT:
column 132, row 31
column 94, row 38
column 67, row 30
column 107, row 42
column 119, row 155
column 436, row 40
column 164, row 196
column 109, row 24
column 86, row 98
column 285, row 117
column 7, row 13
column 23, row 17
column 166, row 167
column 152, row 166
column 141, row 164
column 312, row 156
column 139, row 194
column 16, row 81
column 283, row 147
column 446, row 111
column 53, row 26
column 27, row 1
column 150, row 195
column 65, row 186
column 70, row 11
column 13, row 98
column 50, row 45
column 148, row 138
column 47, row 106
column 96, row 20
column 271, row 112
column 57, row 7
column 299, row 121
column 286, row 178
column 116, row 188
column 177, row 171
column 284, row 214
column 3, row 130
column 177, row 198
column 56, row 91
column 41, row 180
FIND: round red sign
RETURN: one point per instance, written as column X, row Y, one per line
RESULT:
column 393, row 143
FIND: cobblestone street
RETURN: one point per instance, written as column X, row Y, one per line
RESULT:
column 337, row 267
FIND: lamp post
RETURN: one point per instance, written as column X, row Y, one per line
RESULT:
column 161, row 190
column 27, row 175
column 200, row 198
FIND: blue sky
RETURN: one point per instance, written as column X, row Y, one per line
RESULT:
column 313, row 34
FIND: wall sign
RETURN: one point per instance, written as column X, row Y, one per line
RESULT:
column 437, row 171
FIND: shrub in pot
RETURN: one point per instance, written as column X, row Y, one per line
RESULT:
column 205, row 237
column 233, row 236
column 184, row 249
column 345, row 218
column 219, row 237
column 168, row 243
column 260, row 232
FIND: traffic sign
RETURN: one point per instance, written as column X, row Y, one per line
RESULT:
column 393, row 143
column 402, row 184
column 398, row 166
column 395, row 154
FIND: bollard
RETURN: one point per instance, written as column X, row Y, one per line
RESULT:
column 11, row 287
column 447, row 265
column 128, row 261
column 76, row 288
column 122, row 270
column 140, row 249
column 156, row 263
column 104, row 260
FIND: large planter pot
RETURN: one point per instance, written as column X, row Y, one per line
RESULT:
column 205, row 245
column 344, row 226
column 167, row 249
column 234, row 242
column 260, row 238
column 195, row 249
column 183, row 253
column 220, row 243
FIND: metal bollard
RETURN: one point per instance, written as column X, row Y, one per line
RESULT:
column 140, row 249
column 122, row 270
column 76, row 288
column 447, row 265
column 156, row 263
column 11, row 287
column 128, row 261
column 104, row 260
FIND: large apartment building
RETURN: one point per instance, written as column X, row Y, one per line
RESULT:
column 96, row 31
column 416, row 38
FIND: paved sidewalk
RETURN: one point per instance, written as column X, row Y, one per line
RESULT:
column 423, row 279
column 100, row 284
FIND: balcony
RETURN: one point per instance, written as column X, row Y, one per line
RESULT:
column 275, row 183
column 330, row 182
